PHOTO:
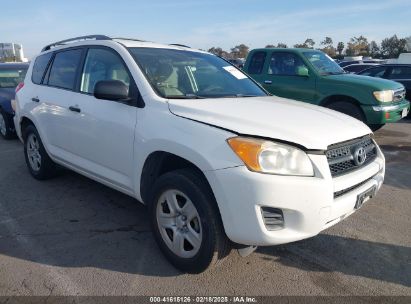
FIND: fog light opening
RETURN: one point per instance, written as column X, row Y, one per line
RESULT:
column 273, row 218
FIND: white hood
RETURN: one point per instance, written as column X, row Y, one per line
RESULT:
column 273, row 117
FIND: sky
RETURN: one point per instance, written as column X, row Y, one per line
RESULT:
column 203, row 24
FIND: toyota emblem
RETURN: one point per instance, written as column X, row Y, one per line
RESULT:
column 360, row 156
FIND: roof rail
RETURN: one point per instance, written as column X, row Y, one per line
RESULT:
column 178, row 44
column 89, row 37
column 132, row 39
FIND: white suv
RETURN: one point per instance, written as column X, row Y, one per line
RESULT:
column 219, row 162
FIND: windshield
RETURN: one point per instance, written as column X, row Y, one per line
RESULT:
column 186, row 74
column 323, row 63
column 10, row 78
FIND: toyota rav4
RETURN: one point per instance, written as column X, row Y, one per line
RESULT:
column 219, row 162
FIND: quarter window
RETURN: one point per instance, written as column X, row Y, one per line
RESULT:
column 100, row 65
column 400, row 73
column 39, row 67
column 64, row 69
column 284, row 64
column 257, row 63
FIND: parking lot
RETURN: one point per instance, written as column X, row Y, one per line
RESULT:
column 73, row 236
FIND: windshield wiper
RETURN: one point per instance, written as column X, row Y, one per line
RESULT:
column 186, row 96
column 245, row 95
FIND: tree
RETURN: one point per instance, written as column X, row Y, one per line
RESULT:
column 279, row 45
column 329, row 49
column 216, row 51
column 392, row 47
column 308, row 44
column 327, row 42
column 374, row 49
column 340, row 47
column 240, row 51
column 358, row 46
column 219, row 52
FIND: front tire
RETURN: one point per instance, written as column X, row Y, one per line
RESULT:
column 39, row 163
column 5, row 126
column 186, row 222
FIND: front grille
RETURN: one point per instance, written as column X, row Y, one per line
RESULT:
column 351, row 155
column 399, row 95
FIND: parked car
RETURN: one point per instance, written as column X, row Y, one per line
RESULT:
column 11, row 74
column 347, row 63
column 344, row 64
column 396, row 72
column 218, row 161
column 355, row 68
column 312, row 76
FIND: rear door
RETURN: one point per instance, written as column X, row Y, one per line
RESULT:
column 281, row 77
column 54, row 96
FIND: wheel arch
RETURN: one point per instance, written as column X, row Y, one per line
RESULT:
column 159, row 162
column 339, row 97
column 24, row 123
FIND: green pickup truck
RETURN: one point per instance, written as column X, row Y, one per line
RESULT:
column 311, row 76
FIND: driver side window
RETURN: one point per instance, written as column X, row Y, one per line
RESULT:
column 285, row 64
column 100, row 65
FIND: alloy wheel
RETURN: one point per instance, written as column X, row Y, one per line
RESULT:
column 33, row 152
column 179, row 223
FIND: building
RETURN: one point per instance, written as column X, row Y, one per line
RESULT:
column 11, row 52
column 408, row 47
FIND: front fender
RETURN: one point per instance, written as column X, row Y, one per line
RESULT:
column 203, row 145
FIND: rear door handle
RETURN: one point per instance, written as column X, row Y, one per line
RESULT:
column 74, row 109
column 35, row 99
column 268, row 82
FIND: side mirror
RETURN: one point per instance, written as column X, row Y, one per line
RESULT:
column 111, row 90
column 302, row 71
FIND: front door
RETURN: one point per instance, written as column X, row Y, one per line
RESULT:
column 104, row 139
column 286, row 75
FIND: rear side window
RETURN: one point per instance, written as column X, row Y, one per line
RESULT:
column 64, row 69
column 400, row 73
column 257, row 63
column 39, row 67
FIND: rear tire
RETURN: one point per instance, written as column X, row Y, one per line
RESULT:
column 39, row 163
column 5, row 126
column 347, row 108
column 186, row 222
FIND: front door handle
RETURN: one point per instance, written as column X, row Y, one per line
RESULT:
column 268, row 82
column 74, row 109
column 35, row 99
